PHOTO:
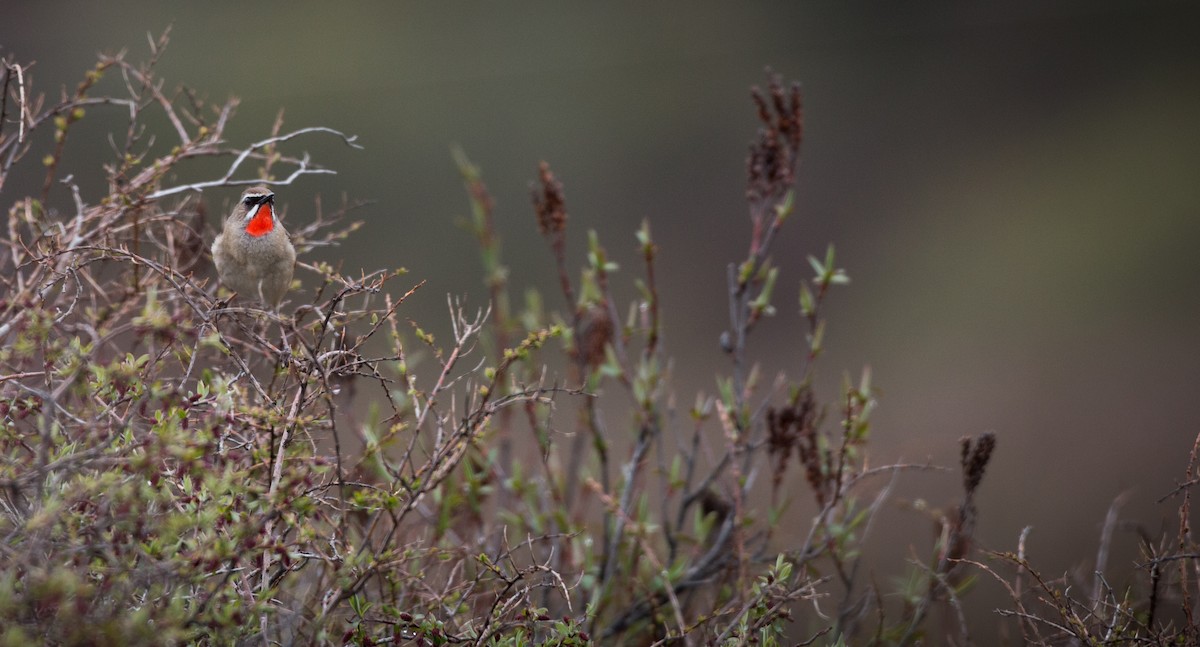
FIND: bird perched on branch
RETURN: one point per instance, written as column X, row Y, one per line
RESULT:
column 253, row 254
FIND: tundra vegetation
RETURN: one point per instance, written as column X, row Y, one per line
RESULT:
column 179, row 467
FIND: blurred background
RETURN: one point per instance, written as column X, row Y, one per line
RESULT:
column 1014, row 189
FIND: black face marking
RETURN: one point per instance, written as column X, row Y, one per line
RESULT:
column 257, row 198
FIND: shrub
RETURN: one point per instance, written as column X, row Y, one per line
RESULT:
column 182, row 468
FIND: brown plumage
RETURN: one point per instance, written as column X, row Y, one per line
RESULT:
column 252, row 253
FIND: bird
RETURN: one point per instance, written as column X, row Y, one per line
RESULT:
column 253, row 254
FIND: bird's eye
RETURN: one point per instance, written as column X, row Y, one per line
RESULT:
column 250, row 199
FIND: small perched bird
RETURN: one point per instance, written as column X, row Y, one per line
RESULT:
column 252, row 253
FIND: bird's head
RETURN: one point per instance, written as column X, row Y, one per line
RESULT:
column 256, row 211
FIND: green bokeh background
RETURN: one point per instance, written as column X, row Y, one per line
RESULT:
column 1013, row 187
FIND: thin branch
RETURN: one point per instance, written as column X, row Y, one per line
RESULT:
column 303, row 165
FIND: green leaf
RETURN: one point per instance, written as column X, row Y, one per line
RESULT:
column 785, row 208
column 817, row 267
column 762, row 303
column 807, row 305
column 643, row 237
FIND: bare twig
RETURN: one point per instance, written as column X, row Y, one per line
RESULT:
column 303, row 165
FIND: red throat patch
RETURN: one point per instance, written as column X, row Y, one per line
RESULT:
column 263, row 221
